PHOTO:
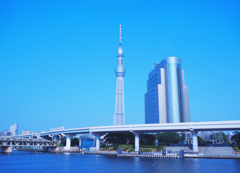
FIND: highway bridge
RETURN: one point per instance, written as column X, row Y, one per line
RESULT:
column 139, row 129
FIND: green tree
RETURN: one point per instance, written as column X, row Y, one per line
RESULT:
column 120, row 138
column 224, row 137
column 75, row 142
column 147, row 139
column 63, row 141
column 103, row 145
column 115, row 146
column 236, row 138
column 199, row 139
column 168, row 137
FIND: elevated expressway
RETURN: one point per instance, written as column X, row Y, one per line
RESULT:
column 139, row 129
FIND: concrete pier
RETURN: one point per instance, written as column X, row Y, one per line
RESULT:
column 136, row 142
column 137, row 146
column 6, row 149
column 194, row 140
column 97, row 136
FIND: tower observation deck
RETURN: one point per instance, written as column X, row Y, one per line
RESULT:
column 119, row 117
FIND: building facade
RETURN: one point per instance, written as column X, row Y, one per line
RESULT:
column 14, row 129
column 229, row 137
column 27, row 132
column 166, row 100
column 5, row 133
column 119, row 115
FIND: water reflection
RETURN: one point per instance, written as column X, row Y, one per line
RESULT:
column 50, row 162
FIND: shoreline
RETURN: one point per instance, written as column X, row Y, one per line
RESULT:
column 235, row 156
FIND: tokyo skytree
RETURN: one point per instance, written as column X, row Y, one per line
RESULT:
column 119, row 118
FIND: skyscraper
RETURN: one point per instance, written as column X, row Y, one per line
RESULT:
column 119, row 118
column 166, row 100
column 14, row 129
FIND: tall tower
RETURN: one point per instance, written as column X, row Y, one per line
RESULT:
column 119, row 118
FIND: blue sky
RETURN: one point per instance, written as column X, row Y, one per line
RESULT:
column 57, row 59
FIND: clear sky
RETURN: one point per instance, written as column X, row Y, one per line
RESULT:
column 57, row 59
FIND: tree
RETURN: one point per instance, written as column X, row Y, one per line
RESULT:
column 200, row 139
column 115, row 146
column 224, row 137
column 104, row 145
column 169, row 137
column 75, row 142
column 236, row 138
column 147, row 139
column 63, row 141
column 120, row 138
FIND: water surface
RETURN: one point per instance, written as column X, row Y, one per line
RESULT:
column 74, row 162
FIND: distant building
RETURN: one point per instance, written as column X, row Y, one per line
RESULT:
column 217, row 137
column 6, row 133
column 2, row 134
column 201, row 134
column 166, row 100
column 229, row 137
column 207, row 136
column 27, row 132
column 14, row 129
column 188, row 138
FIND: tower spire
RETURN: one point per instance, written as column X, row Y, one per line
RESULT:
column 120, row 34
column 119, row 115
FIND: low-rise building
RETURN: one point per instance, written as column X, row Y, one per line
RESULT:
column 27, row 132
column 6, row 133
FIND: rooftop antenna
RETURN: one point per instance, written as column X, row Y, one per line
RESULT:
column 120, row 34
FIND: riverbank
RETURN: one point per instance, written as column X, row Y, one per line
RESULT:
column 55, row 150
column 158, row 155
column 235, row 156
column 135, row 154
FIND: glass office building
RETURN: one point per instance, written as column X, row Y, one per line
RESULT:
column 166, row 100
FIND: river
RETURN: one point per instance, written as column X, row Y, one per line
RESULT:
column 74, row 162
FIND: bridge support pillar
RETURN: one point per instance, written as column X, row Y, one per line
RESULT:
column 80, row 143
column 97, row 136
column 194, row 140
column 55, row 149
column 7, row 149
column 137, row 142
column 137, row 145
column 68, row 142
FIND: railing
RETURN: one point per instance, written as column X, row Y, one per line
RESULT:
column 6, row 142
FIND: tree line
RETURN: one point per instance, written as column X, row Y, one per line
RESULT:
column 164, row 138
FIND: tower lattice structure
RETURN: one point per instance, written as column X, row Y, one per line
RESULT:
column 119, row 117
